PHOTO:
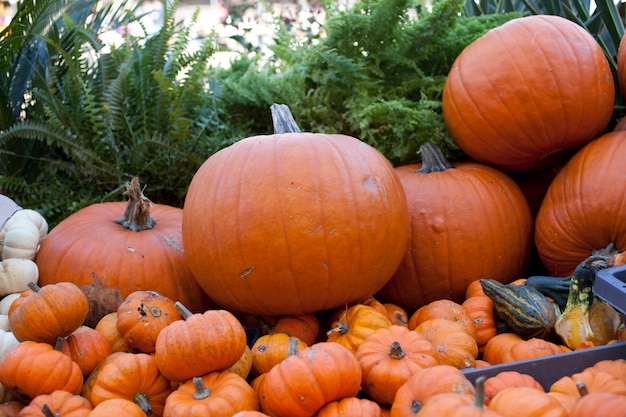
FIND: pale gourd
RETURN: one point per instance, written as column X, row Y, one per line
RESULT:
column 21, row 240
column 7, row 343
column 7, row 300
column 15, row 274
column 33, row 216
column 4, row 323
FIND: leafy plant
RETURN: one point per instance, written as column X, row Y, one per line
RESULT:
column 376, row 74
column 98, row 117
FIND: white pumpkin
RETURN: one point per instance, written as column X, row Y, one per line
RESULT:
column 15, row 274
column 7, row 343
column 21, row 240
column 7, row 300
column 32, row 216
column 4, row 323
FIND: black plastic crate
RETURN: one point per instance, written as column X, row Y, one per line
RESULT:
column 610, row 286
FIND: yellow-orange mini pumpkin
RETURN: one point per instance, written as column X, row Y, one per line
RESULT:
column 294, row 222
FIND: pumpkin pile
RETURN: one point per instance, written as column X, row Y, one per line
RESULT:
column 305, row 276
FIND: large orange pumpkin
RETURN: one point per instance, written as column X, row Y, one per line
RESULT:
column 294, row 222
column 512, row 100
column 583, row 210
column 467, row 221
column 109, row 259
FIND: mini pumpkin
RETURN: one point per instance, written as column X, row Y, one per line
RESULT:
column 199, row 344
column 48, row 313
column 302, row 384
column 525, row 401
column 87, row 347
column 358, row 322
column 216, row 393
column 271, row 349
column 58, row 403
column 117, row 407
column 454, row 344
column 389, row 356
column 351, row 406
column 132, row 376
column 34, row 368
column 142, row 316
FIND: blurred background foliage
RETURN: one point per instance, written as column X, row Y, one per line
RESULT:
column 80, row 117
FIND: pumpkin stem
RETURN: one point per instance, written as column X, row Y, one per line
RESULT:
column 59, row 343
column 582, row 388
column 33, row 286
column 136, row 216
column 433, row 159
column 141, row 400
column 47, row 412
column 184, row 311
column 283, row 119
column 292, row 346
column 479, row 399
column 202, row 391
column 396, row 351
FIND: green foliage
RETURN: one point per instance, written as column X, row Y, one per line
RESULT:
column 146, row 108
column 377, row 74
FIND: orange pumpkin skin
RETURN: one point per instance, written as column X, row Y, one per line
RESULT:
column 508, row 379
column 199, row 344
column 107, row 325
column 578, row 215
column 454, row 344
column 61, row 404
column 530, row 124
column 351, row 406
column 32, row 368
column 313, row 214
column 216, row 393
column 50, row 312
column 427, row 383
column 108, row 261
column 141, row 317
column 526, row 401
column 358, row 322
column 87, row 348
column 117, row 407
column 271, row 349
column 132, row 376
column 599, row 404
column 389, row 357
column 467, row 222
column 302, row 384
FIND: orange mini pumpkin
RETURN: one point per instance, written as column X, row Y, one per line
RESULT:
column 199, row 344
column 302, row 384
column 141, row 317
column 48, row 313
column 58, row 404
column 358, row 322
column 389, row 357
column 271, row 349
column 213, row 394
column 32, row 368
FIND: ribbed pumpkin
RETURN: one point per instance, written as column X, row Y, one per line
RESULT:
column 512, row 100
column 294, row 222
column 113, row 249
column 468, row 221
column 583, row 210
